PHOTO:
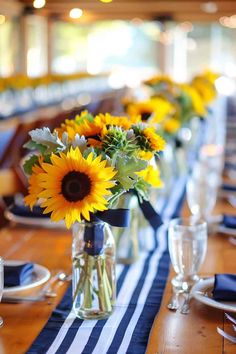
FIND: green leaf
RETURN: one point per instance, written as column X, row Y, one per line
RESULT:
column 46, row 138
column 28, row 165
column 126, row 167
column 32, row 145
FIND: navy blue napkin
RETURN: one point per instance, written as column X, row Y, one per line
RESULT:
column 228, row 187
column 229, row 221
column 22, row 210
column 15, row 275
column 230, row 166
column 224, row 287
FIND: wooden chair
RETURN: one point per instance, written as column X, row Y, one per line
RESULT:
column 12, row 181
column 14, row 150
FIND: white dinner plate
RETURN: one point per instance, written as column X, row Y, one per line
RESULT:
column 226, row 230
column 201, row 291
column 33, row 221
column 215, row 225
column 39, row 276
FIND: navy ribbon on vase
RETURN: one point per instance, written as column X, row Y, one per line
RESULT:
column 115, row 217
column 149, row 213
column 94, row 232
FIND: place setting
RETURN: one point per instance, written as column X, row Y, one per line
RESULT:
column 29, row 282
column 188, row 239
column 188, row 249
column 19, row 213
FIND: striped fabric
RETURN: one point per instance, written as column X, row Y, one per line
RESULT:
column 140, row 289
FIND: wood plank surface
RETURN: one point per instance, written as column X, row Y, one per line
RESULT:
column 50, row 248
column 195, row 333
column 171, row 333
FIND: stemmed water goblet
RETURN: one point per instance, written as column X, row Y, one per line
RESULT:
column 202, row 188
column 187, row 239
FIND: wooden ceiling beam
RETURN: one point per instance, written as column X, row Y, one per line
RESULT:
column 146, row 6
column 120, row 9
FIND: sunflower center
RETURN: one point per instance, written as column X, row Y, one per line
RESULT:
column 75, row 186
column 145, row 115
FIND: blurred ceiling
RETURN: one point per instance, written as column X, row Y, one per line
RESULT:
column 184, row 10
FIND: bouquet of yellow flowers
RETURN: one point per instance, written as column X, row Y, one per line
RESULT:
column 77, row 173
column 204, row 84
column 190, row 99
column 87, row 163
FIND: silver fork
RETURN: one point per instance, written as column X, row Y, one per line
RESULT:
column 226, row 335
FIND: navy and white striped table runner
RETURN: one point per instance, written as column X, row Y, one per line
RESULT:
column 140, row 288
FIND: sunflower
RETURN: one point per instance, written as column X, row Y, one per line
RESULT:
column 158, row 80
column 196, row 99
column 211, row 76
column 83, row 124
column 143, row 108
column 156, row 142
column 73, row 186
column 151, row 175
column 105, row 120
column 205, row 88
column 34, row 188
column 155, row 109
column 145, row 155
column 171, row 125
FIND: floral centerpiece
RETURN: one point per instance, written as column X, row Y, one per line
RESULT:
column 205, row 86
column 77, row 173
column 159, row 112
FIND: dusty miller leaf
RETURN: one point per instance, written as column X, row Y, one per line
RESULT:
column 50, row 140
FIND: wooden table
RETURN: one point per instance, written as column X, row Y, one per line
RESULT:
column 195, row 333
column 171, row 333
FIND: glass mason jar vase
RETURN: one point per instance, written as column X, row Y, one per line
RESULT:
column 94, row 280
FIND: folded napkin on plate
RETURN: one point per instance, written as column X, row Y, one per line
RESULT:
column 230, row 166
column 22, row 210
column 15, row 275
column 228, row 187
column 229, row 221
column 224, row 287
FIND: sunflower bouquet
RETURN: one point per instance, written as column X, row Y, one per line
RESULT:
column 78, row 172
column 204, row 84
column 157, row 111
column 191, row 99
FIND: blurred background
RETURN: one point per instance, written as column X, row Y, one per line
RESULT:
column 59, row 57
column 129, row 39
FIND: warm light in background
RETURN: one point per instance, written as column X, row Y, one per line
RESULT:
column 76, row 13
column 106, row 1
column 228, row 21
column 38, row 4
column 225, row 86
column 2, row 19
column 136, row 21
column 186, row 26
column 209, row 7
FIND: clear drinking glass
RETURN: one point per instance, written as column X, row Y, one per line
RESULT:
column 202, row 188
column 1, row 285
column 187, row 240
